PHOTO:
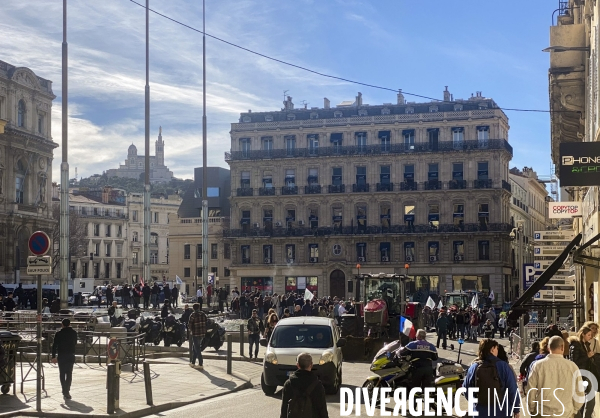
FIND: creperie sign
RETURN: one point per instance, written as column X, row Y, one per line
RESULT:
column 560, row 210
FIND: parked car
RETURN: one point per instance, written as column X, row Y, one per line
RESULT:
column 317, row 336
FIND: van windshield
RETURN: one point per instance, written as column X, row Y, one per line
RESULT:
column 302, row 336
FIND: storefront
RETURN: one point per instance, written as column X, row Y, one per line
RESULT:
column 262, row 284
column 301, row 283
column 478, row 283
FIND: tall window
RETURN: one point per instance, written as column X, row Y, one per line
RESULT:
column 483, row 135
column 313, row 253
column 313, row 218
column 457, row 171
column 290, row 177
column 245, row 221
column 40, row 124
column 227, row 251
column 313, row 144
column 186, row 252
column 385, row 251
column 214, row 251
column 290, row 253
column 385, row 178
column 119, row 250
column 409, row 252
column 245, row 180
column 19, row 181
column 434, row 215
column 268, row 182
column 198, row 251
column 409, row 173
column 245, row 252
column 384, row 141
column 409, row 139
column 361, row 179
column 385, row 212
column 290, row 144
column 134, row 258
column 134, row 215
column 482, row 170
column 337, row 219
column 336, row 142
column 336, row 177
column 458, row 250
column 433, row 177
column 484, row 215
column 153, row 257
column 409, row 215
column 267, row 254
column 459, row 214
column 153, row 238
column 245, row 146
column 155, row 217
column 290, row 218
column 108, row 230
column 267, row 144
column 97, row 249
column 135, row 236
column 313, row 176
column 361, row 218
column 268, row 219
column 434, row 249
column 361, row 141
column 483, row 250
column 458, row 138
column 361, row 252
column 22, row 109
column 108, row 250
column 186, row 272
column 96, row 230
column 433, row 136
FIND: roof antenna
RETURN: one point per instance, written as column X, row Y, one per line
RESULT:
column 305, row 103
column 285, row 92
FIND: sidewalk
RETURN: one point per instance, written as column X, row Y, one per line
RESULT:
column 174, row 384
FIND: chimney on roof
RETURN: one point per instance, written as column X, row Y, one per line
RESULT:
column 401, row 100
column 106, row 194
column 288, row 105
column 447, row 96
column 326, row 103
column 359, row 99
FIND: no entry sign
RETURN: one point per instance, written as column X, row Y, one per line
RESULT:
column 39, row 243
column 112, row 349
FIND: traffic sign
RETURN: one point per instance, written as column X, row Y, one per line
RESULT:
column 553, row 236
column 39, row 261
column 112, row 349
column 39, row 243
column 33, row 270
column 548, row 250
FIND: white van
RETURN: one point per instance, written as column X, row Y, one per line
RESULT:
column 318, row 336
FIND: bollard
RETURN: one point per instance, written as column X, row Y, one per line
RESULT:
column 147, row 383
column 229, row 353
column 242, row 340
column 110, row 388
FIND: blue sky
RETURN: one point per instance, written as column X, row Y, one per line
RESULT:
column 420, row 47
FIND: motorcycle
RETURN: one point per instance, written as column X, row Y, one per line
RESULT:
column 173, row 332
column 215, row 336
column 395, row 371
column 152, row 328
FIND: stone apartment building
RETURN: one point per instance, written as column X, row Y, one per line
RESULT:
column 317, row 191
column 160, row 211
column 26, row 153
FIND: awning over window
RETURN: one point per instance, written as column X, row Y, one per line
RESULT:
column 483, row 128
column 458, row 129
column 361, row 244
column 433, row 129
column 384, row 246
column 336, row 137
column 408, row 132
column 384, row 134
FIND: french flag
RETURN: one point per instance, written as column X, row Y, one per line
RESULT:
column 407, row 328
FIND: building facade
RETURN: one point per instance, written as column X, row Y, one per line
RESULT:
column 135, row 164
column 315, row 192
column 160, row 211
column 185, row 232
column 26, row 153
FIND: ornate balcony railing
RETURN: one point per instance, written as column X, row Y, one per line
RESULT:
column 433, row 185
column 312, row 189
column 360, row 188
column 266, row 191
column 375, row 149
column 289, row 190
column 385, row 187
column 245, row 191
column 457, row 184
column 336, row 188
column 506, row 186
column 408, row 185
column 369, row 230
column 482, row 184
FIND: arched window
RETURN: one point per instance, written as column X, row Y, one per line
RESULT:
column 21, row 113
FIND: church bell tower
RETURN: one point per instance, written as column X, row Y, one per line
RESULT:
column 159, row 146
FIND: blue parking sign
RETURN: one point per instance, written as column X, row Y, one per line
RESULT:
column 537, row 236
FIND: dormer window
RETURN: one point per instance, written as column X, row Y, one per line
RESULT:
column 362, row 112
column 433, row 109
column 458, row 107
column 314, row 115
column 269, row 118
column 291, row 116
column 483, row 106
column 337, row 114
column 385, row 111
column 409, row 110
column 246, row 119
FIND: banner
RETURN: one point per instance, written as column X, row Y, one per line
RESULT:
column 579, row 164
column 562, row 210
column 430, row 303
column 308, row 295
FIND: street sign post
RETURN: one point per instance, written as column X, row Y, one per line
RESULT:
column 553, row 236
column 39, row 243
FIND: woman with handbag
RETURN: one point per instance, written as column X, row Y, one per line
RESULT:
column 581, row 354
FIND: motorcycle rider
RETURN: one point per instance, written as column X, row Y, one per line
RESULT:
column 423, row 354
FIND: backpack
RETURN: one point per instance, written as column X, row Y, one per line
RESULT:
column 488, row 382
column 300, row 406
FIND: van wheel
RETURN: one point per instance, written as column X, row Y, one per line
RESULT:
column 268, row 390
column 334, row 389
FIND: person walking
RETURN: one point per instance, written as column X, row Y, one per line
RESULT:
column 154, row 295
column 581, row 354
column 255, row 328
column 441, row 326
column 557, row 373
column 527, row 361
column 197, row 330
column 175, row 296
column 199, row 295
column 146, row 293
column 303, row 391
column 64, row 344
column 493, row 377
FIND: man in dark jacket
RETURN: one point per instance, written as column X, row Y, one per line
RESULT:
column 175, row 296
column 303, row 381
column 441, row 326
column 65, row 341
column 529, row 358
column 167, row 292
column 255, row 328
column 146, row 292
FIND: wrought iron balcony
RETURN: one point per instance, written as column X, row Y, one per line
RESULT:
column 245, row 191
column 337, row 188
column 457, row 184
column 385, row 187
column 369, row 230
column 375, row 149
column 433, row 185
column 408, row 185
column 266, row 191
column 506, row 186
column 482, row 184
column 359, row 188
column 312, row 189
column 289, row 190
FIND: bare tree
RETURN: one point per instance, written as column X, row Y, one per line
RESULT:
column 78, row 239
